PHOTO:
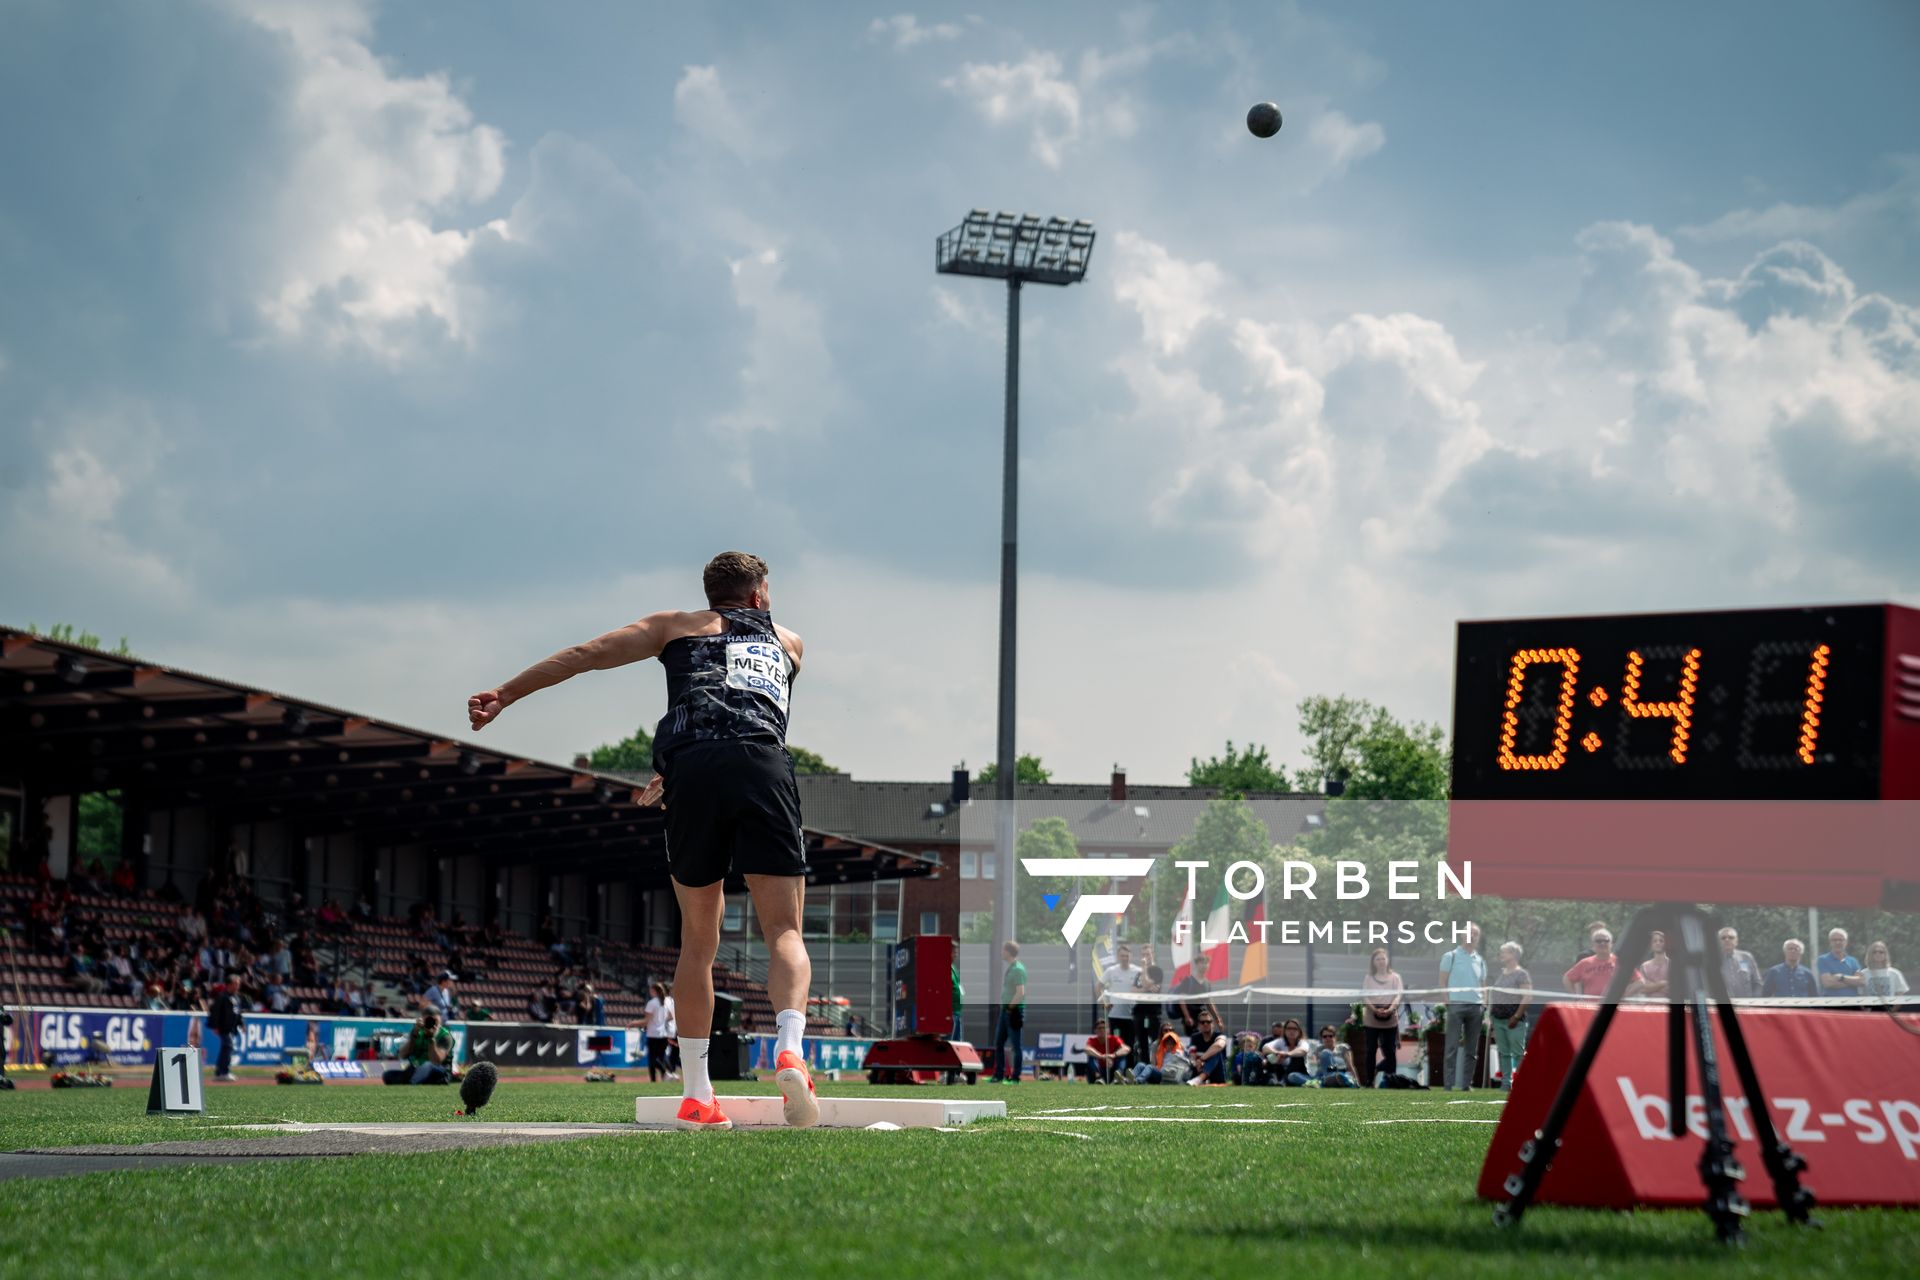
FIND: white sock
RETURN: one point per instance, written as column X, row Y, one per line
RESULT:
column 693, row 1066
column 790, row 1025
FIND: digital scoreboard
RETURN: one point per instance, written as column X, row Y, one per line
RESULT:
column 1686, row 756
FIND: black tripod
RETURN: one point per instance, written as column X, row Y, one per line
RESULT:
column 1695, row 986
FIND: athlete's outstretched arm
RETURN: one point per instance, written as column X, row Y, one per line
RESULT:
column 635, row 642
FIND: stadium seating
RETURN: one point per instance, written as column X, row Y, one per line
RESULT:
column 383, row 950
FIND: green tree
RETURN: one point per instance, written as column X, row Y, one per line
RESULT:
column 1033, row 921
column 1025, row 769
column 805, row 761
column 1227, row 831
column 98, row 835
column 632, row 754
column 67, row 633
column 1377, row 756
column 1238, row 772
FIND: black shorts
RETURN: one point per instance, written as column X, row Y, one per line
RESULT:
column 733, row 808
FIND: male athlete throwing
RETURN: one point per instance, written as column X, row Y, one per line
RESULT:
column 722, row 769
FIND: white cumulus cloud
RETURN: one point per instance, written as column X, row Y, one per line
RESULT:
column 905, row 31
column 358, row 248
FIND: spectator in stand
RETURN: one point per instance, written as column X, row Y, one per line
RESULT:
column 306, row 966
column 124, row 883
column 120, row 981
column 1463, row 972
column 185, row 998
column 1651, row 980
column 1880, row 979
column 1590, row 976
column 440, row 998
column 1117, row 985
column 1105, row 1052
column 1839, row 972
column 278, row 998
column 363, row 907
column 428, row 1051
column 1790, row 979
column 1286, row 1054
column 331, row 918
column 1007, row 1039
column 656, row 1032
column 280, row 958
column 1740, row 970
column 1208, row 1049
column 1380, row 1003
column 540, row 1005
column 589, row 1007
column 1512, row 993
column 1333, row 1061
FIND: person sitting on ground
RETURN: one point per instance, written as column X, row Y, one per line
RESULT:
column 1104, row 1054
column 428, row 1053
column 1881, row 980
column 1286, row 1054
column 1333, row 1061
column 1167, row 1048
column 1208, row 1050
column 1248, row 1066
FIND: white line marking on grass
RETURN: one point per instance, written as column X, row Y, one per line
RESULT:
column 1476, row 1102
column 1432, row 1120
column 1147, row 1106
column 1164, row 1120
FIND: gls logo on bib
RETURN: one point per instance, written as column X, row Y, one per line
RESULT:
column 759, row 666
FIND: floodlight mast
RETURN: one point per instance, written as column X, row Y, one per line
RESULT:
column 1018, row 250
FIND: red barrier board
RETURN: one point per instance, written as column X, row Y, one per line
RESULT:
column 1843, row 1090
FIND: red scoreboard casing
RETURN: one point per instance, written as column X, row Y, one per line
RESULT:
column 1761, row 757
column 923, row 986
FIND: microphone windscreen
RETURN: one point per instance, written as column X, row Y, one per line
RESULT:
column 478, row 1085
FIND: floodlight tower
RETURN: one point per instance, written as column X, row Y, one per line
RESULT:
column 1015, row 249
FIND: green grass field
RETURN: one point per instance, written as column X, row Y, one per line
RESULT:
column 1034, row 1195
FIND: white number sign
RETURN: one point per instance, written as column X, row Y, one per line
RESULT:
column 176, row 1083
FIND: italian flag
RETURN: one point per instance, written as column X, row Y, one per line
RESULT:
column 1183, row 941
column 1219, row 921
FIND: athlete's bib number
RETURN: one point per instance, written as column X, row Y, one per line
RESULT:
column 759, row 666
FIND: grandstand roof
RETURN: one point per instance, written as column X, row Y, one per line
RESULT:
column 1149, row 817
column 74, row 718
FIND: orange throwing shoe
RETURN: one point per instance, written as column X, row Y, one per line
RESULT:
column 796, row 1090
column 694, row 1114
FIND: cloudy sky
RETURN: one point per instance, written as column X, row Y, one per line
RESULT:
column 370, row 353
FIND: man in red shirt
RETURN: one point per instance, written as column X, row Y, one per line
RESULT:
column 1104, row 1052
column 1591, row 974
